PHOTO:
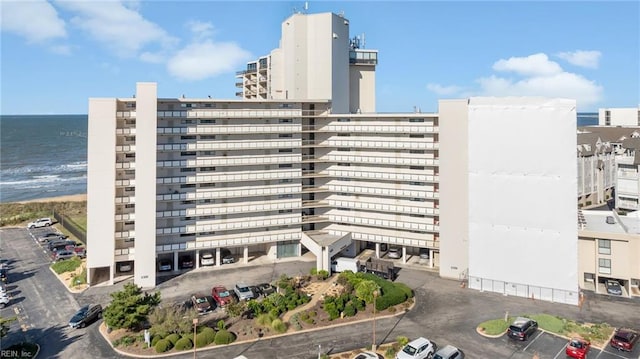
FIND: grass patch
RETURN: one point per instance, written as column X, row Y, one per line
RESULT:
column 494, row 326
column 13, row 213
column 69, row 265
column 79, row 279
column 549, row 323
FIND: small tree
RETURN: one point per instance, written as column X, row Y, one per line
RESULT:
column 364, row 290
column 129, row 307
column 172, row 320
column 236, row 309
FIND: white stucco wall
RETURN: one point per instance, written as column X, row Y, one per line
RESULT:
column 522, row 207
column 101, row 175
column 145, row 210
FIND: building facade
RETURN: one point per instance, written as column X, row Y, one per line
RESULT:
column 515, row 229
column 619, row 116
column 316, row 60
column 196, row 175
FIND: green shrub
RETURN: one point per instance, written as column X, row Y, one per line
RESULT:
column 162, row 346
column 201, row 340
column 209, row 333
column 350, row 310
column 155, row 339
column 390, row 352
column 183, row 344
column 125, row 341
column 359, row 303
column 221, row 324
column 402, row 340
column 265, row 319
column 390, row 298
column 323, row 274
column 173, row 338
column 313, row 271
column 279, row 326
column 405, row 289
column 224, row 337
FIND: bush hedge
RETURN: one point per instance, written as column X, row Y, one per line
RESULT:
column 155, row 339
column 183, row 344
column 209, row 333
column 173, row 338
column 202, row 340
column 162, row 346
column 279, row 326
column 224, row 337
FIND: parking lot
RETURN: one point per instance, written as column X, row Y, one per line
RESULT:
column 548, row 345
column 444, row 312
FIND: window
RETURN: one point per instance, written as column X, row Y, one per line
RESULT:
column 187, row 137
column 189, row 185
column 285, row 150
column 285, row 165
column 416, row 120
column 344, row 120
column 286, row 105
column 207, row 169
column 604, row 266
column 604, row 246
column 210, row 105
column 285, row 180
column 187, row 122
column 187, row 169
column 207, row 137
column 285, row 135
column 207, row 121
column 188, row 153
column 285, row 120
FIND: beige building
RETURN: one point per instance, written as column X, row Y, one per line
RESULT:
column 174, row 177
column 609, row 246
column 316, row 60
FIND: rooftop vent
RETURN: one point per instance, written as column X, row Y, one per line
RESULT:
column 610, row 220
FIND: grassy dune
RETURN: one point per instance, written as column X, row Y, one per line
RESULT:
column 21, row 213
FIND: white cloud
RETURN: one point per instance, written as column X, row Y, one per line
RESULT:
column 152, row 57
column 582, row 58
column 443, row 90
column 119, row 27
column 35, row 20
column 198, row 61
column 200, row 30
column 535, row 75
column 532, row 65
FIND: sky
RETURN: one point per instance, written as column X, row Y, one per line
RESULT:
column 55, row 55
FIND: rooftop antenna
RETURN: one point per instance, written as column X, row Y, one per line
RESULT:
column 363, row 40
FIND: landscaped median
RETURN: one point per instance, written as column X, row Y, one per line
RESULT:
column 597, row 334
column 170, row 328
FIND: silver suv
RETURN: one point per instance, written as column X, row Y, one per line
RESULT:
column 40, row 222
column 243, row 291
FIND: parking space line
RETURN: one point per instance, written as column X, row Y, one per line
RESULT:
column 561, row 350
column 531, row 342
column 612, row 353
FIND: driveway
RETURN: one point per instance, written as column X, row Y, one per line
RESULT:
column 444, row 312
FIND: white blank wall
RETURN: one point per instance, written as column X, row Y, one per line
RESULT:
column 522, row 191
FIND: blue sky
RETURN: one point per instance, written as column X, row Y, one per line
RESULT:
column 57, row 54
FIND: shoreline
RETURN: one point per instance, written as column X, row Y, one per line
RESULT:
column 68, row 198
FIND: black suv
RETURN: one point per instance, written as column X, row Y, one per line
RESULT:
column 86, row 315
column 522, row 328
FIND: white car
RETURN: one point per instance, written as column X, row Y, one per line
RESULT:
column 420, row 348
column 4, row 300
column 207, row 259
column 40, row 222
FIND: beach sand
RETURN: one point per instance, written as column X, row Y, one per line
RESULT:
column 71, row 198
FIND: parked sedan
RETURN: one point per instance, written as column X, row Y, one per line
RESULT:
column 613, row 287
column 366, row 355
column 86, row 315
column 578, row 348
column 201, row 303
column 394, row 252
column 221, row 295
column 51, row 236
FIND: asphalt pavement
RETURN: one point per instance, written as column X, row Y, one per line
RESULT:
column 444, row 312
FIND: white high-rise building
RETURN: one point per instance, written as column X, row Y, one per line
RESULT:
column 619, row 116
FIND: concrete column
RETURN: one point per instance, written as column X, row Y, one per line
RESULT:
column 176, row 266
column 246, row 254
column 218, row 261
column 299, row 249
column 404, row 254
column 111, row 274
column 197, row 258
column 377, row 250
column 430, row 251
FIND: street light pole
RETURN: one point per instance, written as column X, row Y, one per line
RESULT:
column 375, row 294
column 195, row 326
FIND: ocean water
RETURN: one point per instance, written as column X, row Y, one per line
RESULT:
column 45, row 156
column 42, row 156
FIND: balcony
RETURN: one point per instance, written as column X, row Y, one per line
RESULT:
column 239, row 94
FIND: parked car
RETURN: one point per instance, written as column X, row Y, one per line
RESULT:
column 613, row 287
column 164, row 265
column 448, row 352
column 81, row 252
column 186, row 261
column 4, row 299
column 125, row 267
column 243, row 291
column 624, row 339
column 522, row 328
column 86, row 315
column 3, row 274
column 417, row 349
column 40, row 222
column 424, row 253
column 51, row 236
column 226, row 257
column 366, row 355
column 59, row 243
column 201, row 303
column 394, row 252
column 221, row 295
column 63, row 254
column 265, row 289
column 207, row 259
column 578, row 348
